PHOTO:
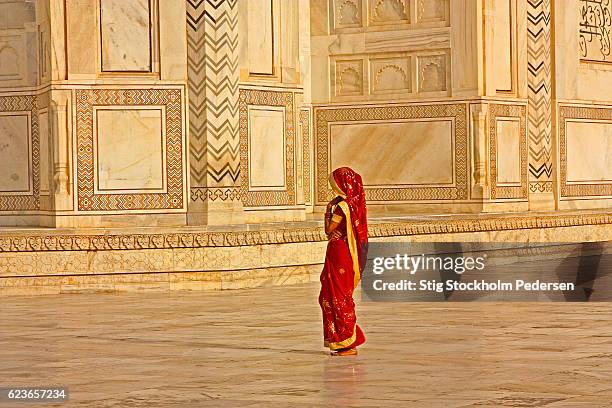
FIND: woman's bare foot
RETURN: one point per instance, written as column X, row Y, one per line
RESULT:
column 347, row 352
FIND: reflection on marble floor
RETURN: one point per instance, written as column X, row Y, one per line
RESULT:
column 263, row 347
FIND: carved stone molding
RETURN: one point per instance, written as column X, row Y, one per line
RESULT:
column 46, row 241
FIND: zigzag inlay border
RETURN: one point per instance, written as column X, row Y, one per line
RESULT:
column 539, row 82
column 267, row 98
column 212, row 59
column 22, row 202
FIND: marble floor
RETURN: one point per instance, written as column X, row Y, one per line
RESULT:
column 263, row 347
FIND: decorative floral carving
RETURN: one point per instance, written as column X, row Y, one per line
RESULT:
column 349, row 13
column 391, row 77
column 390, row 11
column 432, row 73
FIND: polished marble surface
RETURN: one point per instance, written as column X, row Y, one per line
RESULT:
column 263, row 347
column 312, row 220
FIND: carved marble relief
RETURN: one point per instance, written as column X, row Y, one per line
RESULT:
column 594, row 30
column 431, row 10
column 385, row 75
column 125, row 35
column 432, row 73
column 390, row 75
column 347, row 13
column 389, row 11
column 349, row 78
column 18, row 38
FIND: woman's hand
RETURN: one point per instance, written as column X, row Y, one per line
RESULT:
column 333, row 202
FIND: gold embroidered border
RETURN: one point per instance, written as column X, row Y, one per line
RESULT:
column 579, row 112
column 458, row 111
column 344, row 343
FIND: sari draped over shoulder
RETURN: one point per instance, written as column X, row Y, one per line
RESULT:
column 344, row 262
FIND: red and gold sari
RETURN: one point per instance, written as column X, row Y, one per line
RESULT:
column 344, row 261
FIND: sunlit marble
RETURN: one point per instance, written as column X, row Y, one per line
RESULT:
column 589, row 151
column 263, row 348
column 15, row 145
column 126, row 35
column 131, row 159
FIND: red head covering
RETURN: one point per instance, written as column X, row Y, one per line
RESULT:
column 350, row 183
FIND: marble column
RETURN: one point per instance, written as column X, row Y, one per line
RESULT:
column 213, row 107
column 539, row 79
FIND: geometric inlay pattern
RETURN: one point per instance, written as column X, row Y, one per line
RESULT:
column 539, row 82
column 306, row 151
column 457, row 112
column 20, row 202
column 579, row 189
column 88, row 199
column 212, row 63
column 513, row 111
column 249, row 97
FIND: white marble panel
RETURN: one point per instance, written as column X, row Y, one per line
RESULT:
column 45, row 154
column 267, row 148
column 260, row 37
column 15, row 148
column 12, row 58
column 126, row 35
column 130, row 148
column 395, row 153
column 508, row 151
column 15, row 14
column 589, row 151
column 502, row 40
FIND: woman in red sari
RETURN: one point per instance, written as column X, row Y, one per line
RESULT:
column 347, row 231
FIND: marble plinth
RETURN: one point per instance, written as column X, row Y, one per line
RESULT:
column 47, row 261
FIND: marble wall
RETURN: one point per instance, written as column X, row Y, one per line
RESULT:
column 177, row 112
column 92, row 112
column 24, row 127
column 273, row 124
column 583, row 105
column 376, row 77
